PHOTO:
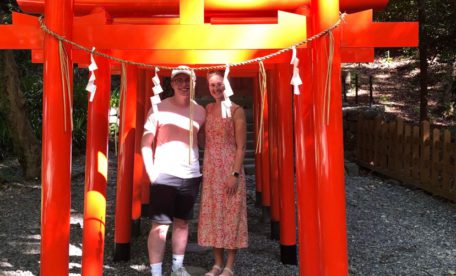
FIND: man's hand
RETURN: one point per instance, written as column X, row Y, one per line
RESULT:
column 152, row 173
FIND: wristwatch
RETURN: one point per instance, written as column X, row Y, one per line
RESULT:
column 235, row 174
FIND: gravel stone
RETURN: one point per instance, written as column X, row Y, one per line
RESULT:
column 391, row 230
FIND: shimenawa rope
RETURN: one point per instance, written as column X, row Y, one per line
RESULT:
column 215, row 67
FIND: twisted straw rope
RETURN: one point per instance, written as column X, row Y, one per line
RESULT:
column 263, row 94
column 192, row 97
column 215, row 67
column 66, row 87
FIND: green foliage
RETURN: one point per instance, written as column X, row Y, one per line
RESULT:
column 388, row 58
column 384, row 98
column 114, row 102
column 80, row 101
column 449, row 110
column 31, row 82
column 31, row 78
column 6, row 7
column 31, row 86
column 440, row 24
column 115, row 98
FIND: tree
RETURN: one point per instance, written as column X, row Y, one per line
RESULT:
column 13, row 108
column 423, row 61
column 437, row 42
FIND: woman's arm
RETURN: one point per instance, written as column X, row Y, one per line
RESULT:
column 202, row 130
column 202, row 137
column 240, row 133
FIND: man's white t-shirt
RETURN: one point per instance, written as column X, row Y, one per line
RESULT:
column 170, row 126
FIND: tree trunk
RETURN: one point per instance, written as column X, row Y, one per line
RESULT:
column 423, row 62
column 12, row 104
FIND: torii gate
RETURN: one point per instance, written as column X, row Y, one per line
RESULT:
column 203, row 32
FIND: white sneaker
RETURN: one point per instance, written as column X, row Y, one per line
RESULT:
column 180, row 272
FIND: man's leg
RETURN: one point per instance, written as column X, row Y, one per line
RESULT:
column 179, row 241
column 156, row 243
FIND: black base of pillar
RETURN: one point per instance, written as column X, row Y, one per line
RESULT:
column 121, row 252
column 258, row 199
column 145, row 210
column 288, row 254
column 275, row 230
column 136, row 228
column 265, row 218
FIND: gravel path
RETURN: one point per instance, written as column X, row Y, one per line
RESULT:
column 392, row 230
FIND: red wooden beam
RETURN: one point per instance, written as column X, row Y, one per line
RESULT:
column 359, row 31
column 352, row 55
column 125, row 161
column 96, row 173
column 56, row 147
column 122, row 8
column 328, row 143
column 387, row 34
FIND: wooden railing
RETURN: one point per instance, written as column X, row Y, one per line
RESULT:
column 421, row 157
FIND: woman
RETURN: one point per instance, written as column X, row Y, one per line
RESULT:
column 223, row 213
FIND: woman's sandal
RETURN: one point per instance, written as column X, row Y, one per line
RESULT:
column 229, row 271
column 214, row 267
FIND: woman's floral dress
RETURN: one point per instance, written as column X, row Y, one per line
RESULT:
column 222, row 218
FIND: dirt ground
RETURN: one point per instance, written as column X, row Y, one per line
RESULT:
column 396, row 85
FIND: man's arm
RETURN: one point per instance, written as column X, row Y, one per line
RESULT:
column 147, row 154
column 147, row 141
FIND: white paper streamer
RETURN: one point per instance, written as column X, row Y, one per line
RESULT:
column 91, row 87
column 155, row 99
column 226, row 108
column 157, row 89
column 295, row 79
column 226, row 104
column 155, row 109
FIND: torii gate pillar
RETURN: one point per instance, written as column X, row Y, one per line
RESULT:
column 319, row 150
column 56, row 147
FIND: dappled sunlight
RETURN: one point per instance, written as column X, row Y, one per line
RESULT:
column 75, row 250
column 382, row 76
column 139, row 268
column 76, row 218
column 102, row 165
column 17, row 273
column 4, row 264
column 74, row 267
column 396, row 86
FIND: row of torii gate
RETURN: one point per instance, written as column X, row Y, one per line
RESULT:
column 202, row 32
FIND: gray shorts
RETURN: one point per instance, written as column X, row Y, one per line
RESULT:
column 172, row 197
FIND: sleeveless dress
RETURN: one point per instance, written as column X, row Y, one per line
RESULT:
column 222, row 218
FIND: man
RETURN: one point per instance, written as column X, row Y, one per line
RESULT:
column 173, row 170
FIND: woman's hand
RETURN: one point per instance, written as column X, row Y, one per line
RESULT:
column 232, row 185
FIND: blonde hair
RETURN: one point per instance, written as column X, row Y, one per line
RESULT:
column 215, row 72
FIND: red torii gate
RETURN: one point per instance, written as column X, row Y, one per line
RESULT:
column 203, row 32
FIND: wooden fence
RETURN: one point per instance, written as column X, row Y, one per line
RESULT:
column 424, row 158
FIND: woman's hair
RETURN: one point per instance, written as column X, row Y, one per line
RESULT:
column 215, row 72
